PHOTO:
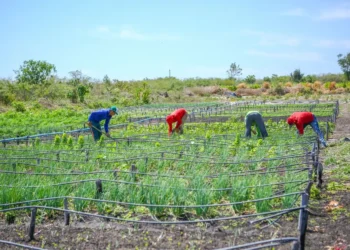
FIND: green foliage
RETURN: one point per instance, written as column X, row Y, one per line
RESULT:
column 344, row 63
column 234, row 71
column 35, row 72
column 64, row 138
column 267, row 79
column 70, row 141
column 296, row 76
column 250, row 79
column 81, row 141
column 19, row 106
column 10, row 217
column 82, row 91
column 309, row 78
column 57, row 140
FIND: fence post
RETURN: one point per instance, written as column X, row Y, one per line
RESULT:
column 327, row 130
column 58, row 156
column 98, row 188
column 133, row 170
column 303, row 216
column 66, row 213
column 86, row 155
column 32, row 224
column 14, row 167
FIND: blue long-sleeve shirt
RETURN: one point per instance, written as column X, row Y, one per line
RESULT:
column 99, row 115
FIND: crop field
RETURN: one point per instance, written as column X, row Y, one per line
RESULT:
column 211, row 177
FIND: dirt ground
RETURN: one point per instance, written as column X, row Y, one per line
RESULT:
column 328, row 227
column 329, row 223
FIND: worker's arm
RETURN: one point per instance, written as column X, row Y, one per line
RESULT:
column 170, row 128
column 300, row 128
column 178, row 124
column 106, row 124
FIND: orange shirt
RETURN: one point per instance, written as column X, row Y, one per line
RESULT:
column 175, row 116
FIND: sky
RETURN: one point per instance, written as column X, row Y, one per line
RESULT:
column 134, row 40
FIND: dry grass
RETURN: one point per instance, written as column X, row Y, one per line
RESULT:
column 316, row 85
column 204, row 91
column 288, row 84
column 248, row 92
column 266, row 85
column 242, row 86
column 332, row 86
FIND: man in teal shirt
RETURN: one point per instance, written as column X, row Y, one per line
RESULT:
column 255, row 118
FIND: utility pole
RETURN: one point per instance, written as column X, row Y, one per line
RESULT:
column 169, row 73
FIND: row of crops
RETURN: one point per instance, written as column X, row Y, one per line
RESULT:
column 16, row 124
column 211, row 173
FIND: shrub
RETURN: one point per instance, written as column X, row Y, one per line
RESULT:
column 242, row 86
column 6, row 98
column 255, row 86
column 19, row 106
column 266, row 85
column 288, row 84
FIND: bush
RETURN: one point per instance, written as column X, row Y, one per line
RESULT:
column 19, row 106
column 278, row 90
column 255, row 86
column 266, row 84
column 242, row 86
column 6, row 98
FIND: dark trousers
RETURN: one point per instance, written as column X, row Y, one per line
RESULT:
column 255, row 119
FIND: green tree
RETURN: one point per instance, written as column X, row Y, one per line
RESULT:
column 234, row 71
column 250, row 79
column 296, row 76
column 80, row 86
column 35, row 72
column 267, row 79
column 344, row 63
column 309, row 78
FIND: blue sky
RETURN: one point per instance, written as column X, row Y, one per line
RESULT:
column 132, row 40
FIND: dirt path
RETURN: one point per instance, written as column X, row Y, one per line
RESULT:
column 329, row 226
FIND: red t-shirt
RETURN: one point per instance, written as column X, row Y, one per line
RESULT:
column 175, row 116
column 299, row 119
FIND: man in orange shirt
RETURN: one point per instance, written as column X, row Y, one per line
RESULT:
column 179, row 116
column 302, row 119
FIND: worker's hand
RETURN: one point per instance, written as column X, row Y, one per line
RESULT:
column 89, row 124
column 253, row 131
column 108, row 135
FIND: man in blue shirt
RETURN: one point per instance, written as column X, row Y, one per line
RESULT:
column 96, row 117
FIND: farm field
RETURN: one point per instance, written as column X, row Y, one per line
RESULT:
column 182, row 192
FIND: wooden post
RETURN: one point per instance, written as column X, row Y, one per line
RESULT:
column 66, row 213
column 58, row 156
column 303, row 217
column 327, row 130
column 98, row 188
column 32, row 224
column 14, row 167
column 133, row 170
column 86, row 155
column 38, row 161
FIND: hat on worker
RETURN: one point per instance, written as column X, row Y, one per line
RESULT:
column 114, row 109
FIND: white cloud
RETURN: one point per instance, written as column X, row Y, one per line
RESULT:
column 336, row 13
column 127, row 32
column 294, row 12
column 272, row 39
column 297, row 56
column 339, row 44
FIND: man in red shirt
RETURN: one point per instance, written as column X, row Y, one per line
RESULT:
column 302, row 119
column 179, row 116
